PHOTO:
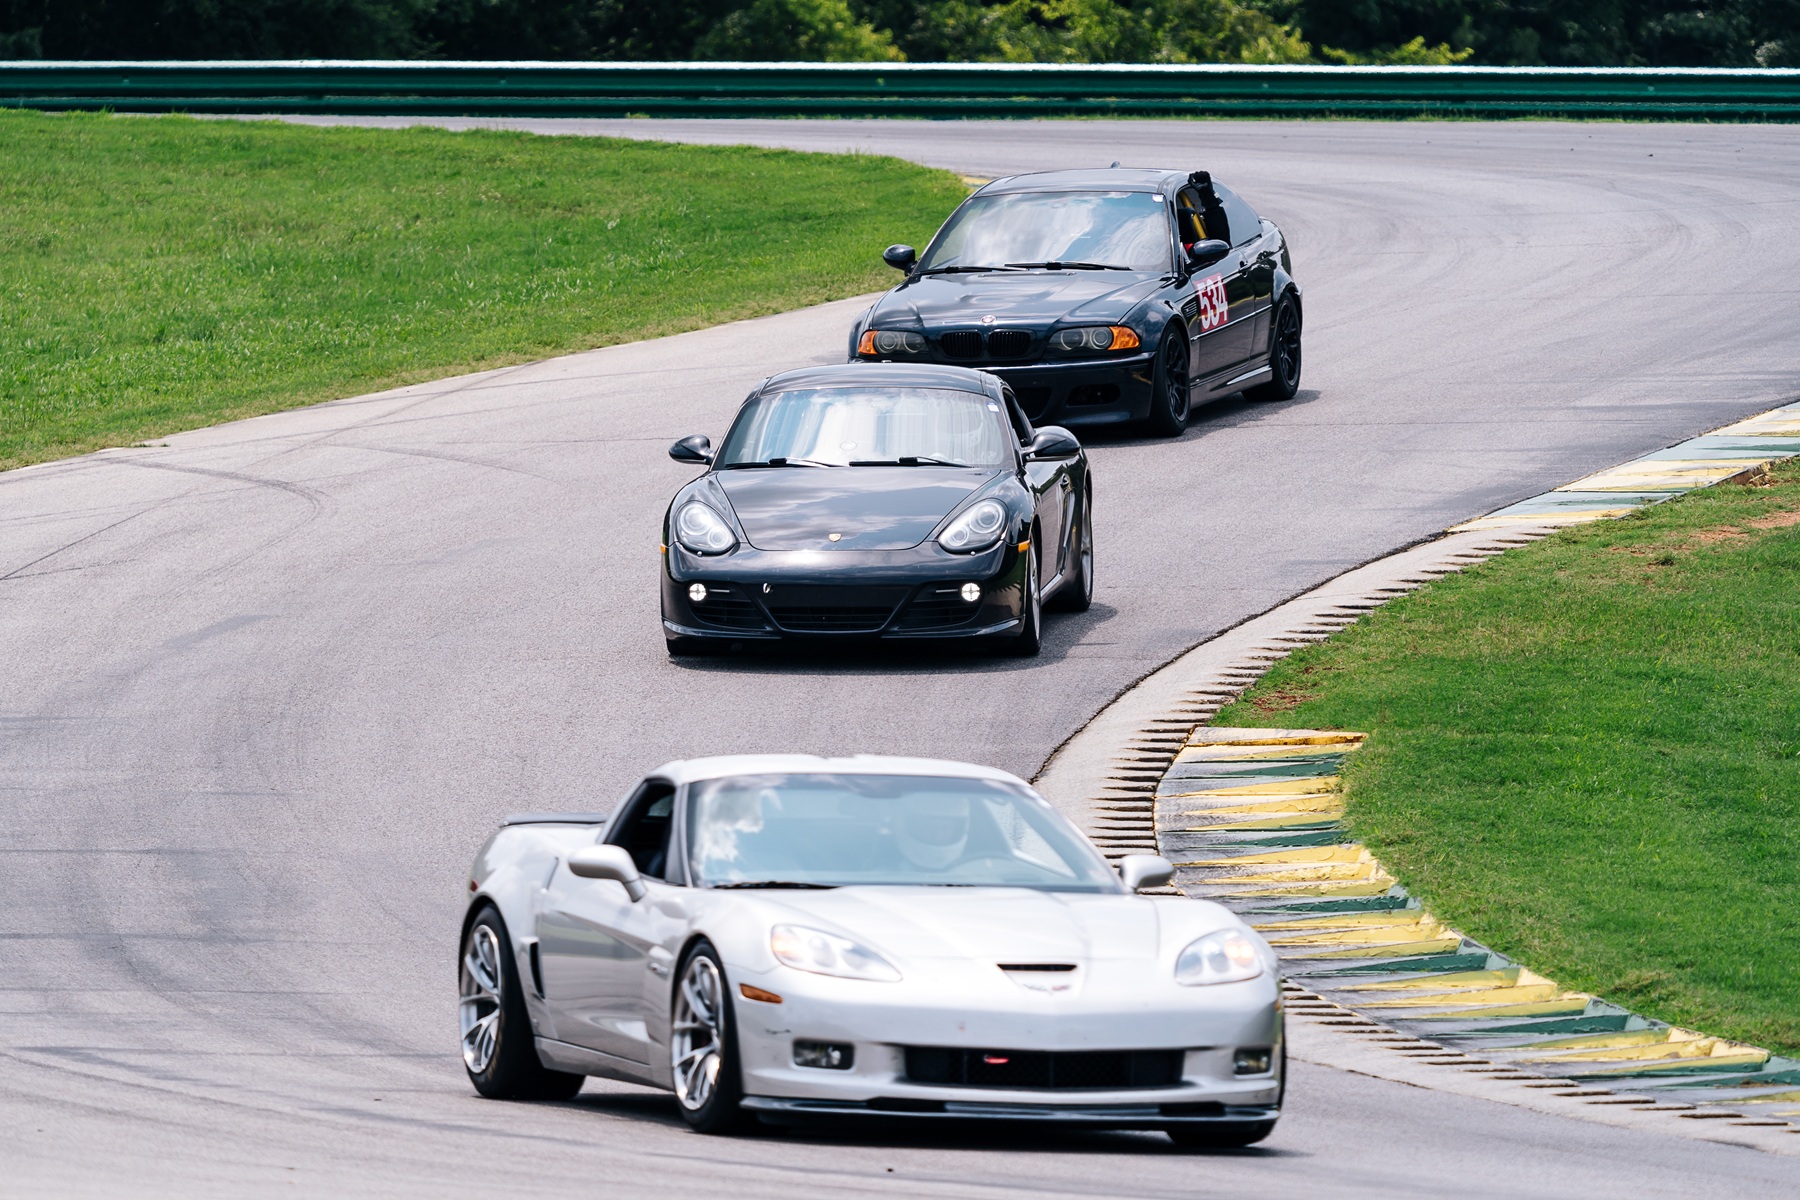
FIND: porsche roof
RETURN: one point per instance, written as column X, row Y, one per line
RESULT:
column 1103, row 178
column 861, row 374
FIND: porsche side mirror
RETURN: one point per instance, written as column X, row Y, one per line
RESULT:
column 1052, row 441
column 901, row 258
column 608, row 862
column 1205, row 254
column 1138, row 871
column 694, row 449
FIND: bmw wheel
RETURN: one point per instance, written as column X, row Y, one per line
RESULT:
column 1169, row 399
column 703, row 1046
column 1284, row 356
column 497, row 1045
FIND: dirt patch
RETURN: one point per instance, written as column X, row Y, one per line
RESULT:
column 1780, row 520
column 1283, row 700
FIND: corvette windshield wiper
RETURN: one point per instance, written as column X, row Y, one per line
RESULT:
column 954, row 270
column 1057, row 265
column 775, row 883
column 778, row 462
column 907, row 460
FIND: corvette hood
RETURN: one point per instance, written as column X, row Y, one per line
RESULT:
column 998, row 925
column 870, row 508
column 1012, row 298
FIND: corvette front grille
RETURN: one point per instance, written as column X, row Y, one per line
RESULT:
column 1050, row 1070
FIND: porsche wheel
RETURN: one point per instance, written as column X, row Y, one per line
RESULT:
column 497, row 1047
column 1029, row 640
column 1284, row 356
column 1169, row 399
column 1234, row 1136
column 703, row 1056
column 1077, row 591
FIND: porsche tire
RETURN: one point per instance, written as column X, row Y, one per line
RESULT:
column 499, row 1052
column 1170, row 400
column 1233, row 1136
column 1077, row 591
column 1284, row 356
column 1029, row 640
column 703, row 1057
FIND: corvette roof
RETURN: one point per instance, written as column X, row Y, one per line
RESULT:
column 724, row 766
column 861, row 374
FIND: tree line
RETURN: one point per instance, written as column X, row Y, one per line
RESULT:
column 1734, row 33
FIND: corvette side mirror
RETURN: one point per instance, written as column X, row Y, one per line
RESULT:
column 1206, row 253
column 1052, row 441
column 901, row 258
column 1139, row 871
column 609, row 862
column 694, row 449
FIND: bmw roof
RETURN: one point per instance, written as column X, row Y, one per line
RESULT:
column 859, row 374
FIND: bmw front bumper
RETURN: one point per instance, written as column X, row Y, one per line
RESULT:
column 1090, row 392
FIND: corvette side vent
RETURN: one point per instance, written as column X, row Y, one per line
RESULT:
column 963, row 343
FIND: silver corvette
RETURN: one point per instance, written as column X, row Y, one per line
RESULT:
column 785, row 937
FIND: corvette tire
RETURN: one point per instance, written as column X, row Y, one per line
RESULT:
column 1170, row 400
column 703, row 1057
column 1284, row 356
column 499, row 1053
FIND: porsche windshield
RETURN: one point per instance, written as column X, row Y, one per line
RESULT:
column 849, row 426
column 1125, row 230
column 834, row 830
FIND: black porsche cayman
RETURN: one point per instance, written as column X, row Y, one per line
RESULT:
column 1102, row 297
column 877, row 501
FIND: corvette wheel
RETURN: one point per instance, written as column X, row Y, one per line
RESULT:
column 1284, row 356
column 1077, row 591
column 1029, row 640
column 1169, row 400
column 702, row 1047
column 497, row 1047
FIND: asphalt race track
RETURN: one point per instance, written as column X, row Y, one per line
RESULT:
column 263, row 691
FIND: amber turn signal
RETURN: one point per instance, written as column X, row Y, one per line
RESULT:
column 751, row 992
column 1124, row 338
column 867, row 344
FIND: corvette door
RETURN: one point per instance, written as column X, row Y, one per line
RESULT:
column 596, row 947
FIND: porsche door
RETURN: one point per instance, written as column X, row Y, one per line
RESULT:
column 1052, row 496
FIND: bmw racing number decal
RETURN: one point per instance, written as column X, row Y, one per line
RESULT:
column 1213, row 307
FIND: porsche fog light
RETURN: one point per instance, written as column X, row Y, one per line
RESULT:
column 697, row 592
column 828, row 1056
column 971, row 592
column 1252, row 1060
column 978, row 527
column 702, row 530
column 828, row 954
column 1227, row 956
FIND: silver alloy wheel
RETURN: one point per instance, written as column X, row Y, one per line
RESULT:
column 697, row 1038
column 478, row 1008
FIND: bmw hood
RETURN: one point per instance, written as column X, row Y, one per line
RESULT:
column 868, row 508
column 1033, row 298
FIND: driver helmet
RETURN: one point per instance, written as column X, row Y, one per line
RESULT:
column 934, row 830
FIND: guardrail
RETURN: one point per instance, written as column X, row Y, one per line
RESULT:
column 516, row 89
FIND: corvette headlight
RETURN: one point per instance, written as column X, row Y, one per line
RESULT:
column 827, row 954
column 702, row 530
column 979, row 527
column 890, row 341
column 1095, row 337
column 1223, row 957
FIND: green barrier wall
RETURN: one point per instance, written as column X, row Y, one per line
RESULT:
column 914, row 89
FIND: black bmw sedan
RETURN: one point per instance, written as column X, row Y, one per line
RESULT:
column 877, row 501
column 1101, row 297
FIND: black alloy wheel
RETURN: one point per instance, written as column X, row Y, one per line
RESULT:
column 1077, row 590
column 1029, row 640
column 1169, row 399
column 1284, row 356
column 497, row 1047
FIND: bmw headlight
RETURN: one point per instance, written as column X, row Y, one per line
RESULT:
column 1094, row 337
column 702, row 530
column 828, row 954
column 890, row 341
column 978, row 527
column 1227, row 956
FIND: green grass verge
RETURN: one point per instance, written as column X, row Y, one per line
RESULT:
column 164, row 273
column 1586, row 754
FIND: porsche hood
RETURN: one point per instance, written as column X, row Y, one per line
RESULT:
column 868, row 508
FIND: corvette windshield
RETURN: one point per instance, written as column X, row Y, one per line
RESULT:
column 836, row 830
column 1129, row 230
column 849, row 426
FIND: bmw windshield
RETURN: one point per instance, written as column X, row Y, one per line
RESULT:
column 1127, row 231
column 834, row 830
column 867, row 426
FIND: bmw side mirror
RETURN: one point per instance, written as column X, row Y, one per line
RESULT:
column 1206, row 253
column 1052, row 441
column 694, row 449
column 1139, row 871
column 901, row 258
column 609, row 862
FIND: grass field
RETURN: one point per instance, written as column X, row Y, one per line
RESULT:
column 1586, row 754
column 164, row 273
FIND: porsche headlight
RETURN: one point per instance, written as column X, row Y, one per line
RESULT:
column 702, row 530
column 1223, row 957
column 1094, row 337
column 827, row 954
column 890, row 341
column 977, row 528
